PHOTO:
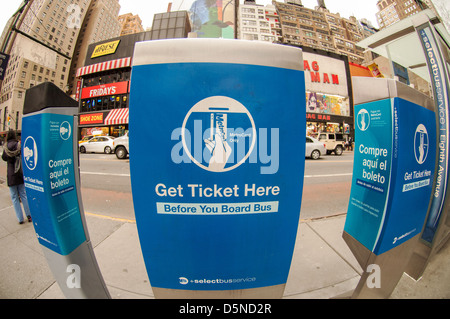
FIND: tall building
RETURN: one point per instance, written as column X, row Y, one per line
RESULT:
column 170, row 25
column 55, row 25
column 257, row 22
column 130, row 24
column 101, row 23
column 320, row 29
column 105, row 77
column 392, row 11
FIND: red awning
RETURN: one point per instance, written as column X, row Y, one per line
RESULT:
column 117, row 116
column 109, row 65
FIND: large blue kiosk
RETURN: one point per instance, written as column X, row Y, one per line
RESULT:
column 52, row 182
column 217, row 164
column 393, row 173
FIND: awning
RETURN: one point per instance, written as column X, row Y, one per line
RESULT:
column 109, row 65
column 117, row 116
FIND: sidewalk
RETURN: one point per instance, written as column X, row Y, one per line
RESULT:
column 322, row 267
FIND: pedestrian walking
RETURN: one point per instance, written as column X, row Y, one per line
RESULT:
column 11, row 155
column 350, row 144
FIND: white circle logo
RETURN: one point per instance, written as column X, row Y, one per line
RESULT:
column 30, row 153
column 363, row 119
column 65, row 130
column 421, row 144
column 218, row 134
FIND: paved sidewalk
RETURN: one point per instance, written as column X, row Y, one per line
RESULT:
column 322, row 267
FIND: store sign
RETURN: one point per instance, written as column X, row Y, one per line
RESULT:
column 105, row 49
column 393, row 173
column 321, row 117
column 105, row 90
column 77, row 93
column 95, row 118
column 325, row 74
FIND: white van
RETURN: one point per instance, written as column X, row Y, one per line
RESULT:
column 121, row 146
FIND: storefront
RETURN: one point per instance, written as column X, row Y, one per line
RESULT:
column 328, row 93
column 103, row 87
column 113, row 123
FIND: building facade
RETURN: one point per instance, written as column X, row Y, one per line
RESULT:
column 56, row 25
column 320, row 29
column 104, row 85
column 130, row 24
column 392, row 11
column 104, row 79
column 170, row 25
column 329, row 47
column 329, row 101
column 257, row 22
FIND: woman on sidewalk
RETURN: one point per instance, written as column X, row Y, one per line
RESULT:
column 11, row 154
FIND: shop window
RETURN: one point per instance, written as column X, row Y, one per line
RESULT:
column 107, row 78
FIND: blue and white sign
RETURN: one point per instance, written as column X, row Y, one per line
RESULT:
column 217, row 164
column 440, row 82
column 49, row 175
column 392, row 174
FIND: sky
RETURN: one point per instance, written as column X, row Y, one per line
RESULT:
column 147, row 8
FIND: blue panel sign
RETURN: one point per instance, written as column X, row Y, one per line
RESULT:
column 392, row 174
column 217, row 166
column 49, row 175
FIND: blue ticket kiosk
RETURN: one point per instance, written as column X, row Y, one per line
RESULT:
column 393, row 174
column 217, row 164
column 52, row 182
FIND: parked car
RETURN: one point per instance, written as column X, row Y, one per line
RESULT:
column 88, row 137
column 121, row 146
column 314, row 148
column 335, row 142
column 99, row 144
column 85, row 139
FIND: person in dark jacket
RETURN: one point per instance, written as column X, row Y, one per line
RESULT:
column 11, row 154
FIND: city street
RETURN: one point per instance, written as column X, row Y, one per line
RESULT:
column 327, row 185
column 106, row 187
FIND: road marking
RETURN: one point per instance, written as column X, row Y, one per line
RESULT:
column 105, row 174
column 312, row 219
column 329, row 175
column 133, row 221
column 326, row 162
column 103, row 159
column 112, row 218
column 128, row 175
